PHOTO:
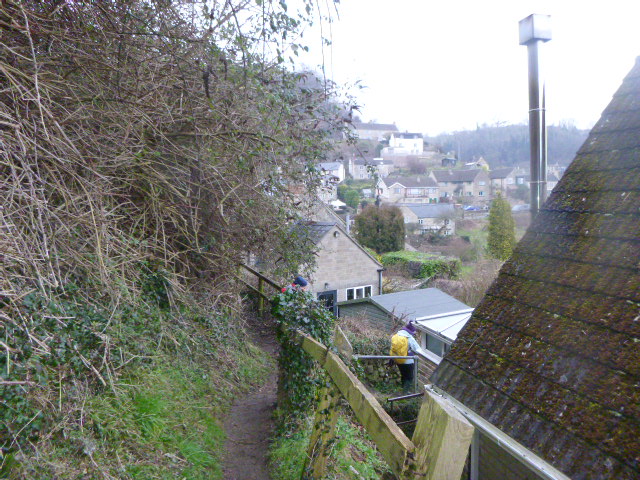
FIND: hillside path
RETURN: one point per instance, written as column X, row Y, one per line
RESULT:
column 249, row 423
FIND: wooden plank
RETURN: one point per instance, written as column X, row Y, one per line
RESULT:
column 314, row 348
column 342, row 343
column 261, row 276
column 391, row 441
column 323, row 432
column 441, row 438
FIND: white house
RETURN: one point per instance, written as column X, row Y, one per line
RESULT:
column 332, row 169
column 404, row 144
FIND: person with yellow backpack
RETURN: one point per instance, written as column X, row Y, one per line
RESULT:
column 403, row 344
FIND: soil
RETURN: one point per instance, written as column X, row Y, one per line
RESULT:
column 249, row 424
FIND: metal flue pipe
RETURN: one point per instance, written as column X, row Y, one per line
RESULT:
column 534, row 31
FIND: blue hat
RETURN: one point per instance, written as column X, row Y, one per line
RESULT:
column 300, row 281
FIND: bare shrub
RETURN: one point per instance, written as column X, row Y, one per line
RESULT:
column 472, row 288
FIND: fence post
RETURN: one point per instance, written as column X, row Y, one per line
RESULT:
column 261, row 296
column 323, row 432
column 442, row 438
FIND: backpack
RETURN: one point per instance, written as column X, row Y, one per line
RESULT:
column 399, row 347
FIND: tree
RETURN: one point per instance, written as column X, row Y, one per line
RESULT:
column 352, row 198
column 502, row 237
column 381, row 229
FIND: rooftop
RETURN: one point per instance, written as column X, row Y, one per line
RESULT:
column 551, row 355
column 456, row 175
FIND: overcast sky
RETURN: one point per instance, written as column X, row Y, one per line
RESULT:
column 433, row 66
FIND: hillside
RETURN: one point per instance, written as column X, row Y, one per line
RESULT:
column 148, row 148
column 508, row 145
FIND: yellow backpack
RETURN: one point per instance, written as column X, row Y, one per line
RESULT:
column 399, row 347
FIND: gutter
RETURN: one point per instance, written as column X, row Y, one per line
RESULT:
column 542, row 468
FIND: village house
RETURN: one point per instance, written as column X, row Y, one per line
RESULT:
column 404, row 144
column 503, row 181
column 360, row 168
column 548, row 367
column 374, row 131
column 332, row 170
column 473, row 185
column 438, row 318
column 344, row 270
column 430, row 218
column 419, row 189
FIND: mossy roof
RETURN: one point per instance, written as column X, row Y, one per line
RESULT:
column 551, row 356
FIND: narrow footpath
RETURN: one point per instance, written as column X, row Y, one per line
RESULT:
column 249, row 424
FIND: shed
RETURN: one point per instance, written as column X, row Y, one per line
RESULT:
column 438, row 316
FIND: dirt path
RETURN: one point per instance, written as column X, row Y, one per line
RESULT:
column 249, row 425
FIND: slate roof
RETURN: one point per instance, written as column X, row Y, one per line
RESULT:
column 407, row 135
column 456, row 175
column 374, row 161
column 412, row 182
column 551, row 356
column 383, row 127
column 501, row 173
column 420, row 304
column 430, row 210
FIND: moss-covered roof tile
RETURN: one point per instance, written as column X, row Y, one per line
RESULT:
column 552, row 353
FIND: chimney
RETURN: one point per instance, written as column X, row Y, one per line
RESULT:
column 534, row 31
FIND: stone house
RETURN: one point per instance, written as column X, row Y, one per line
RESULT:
column 438, row 318
column 420, row 189
column 503, row 180
column 430, row 218
column 548, row 367
column 358, row 168
column 344, row 270
column 473, row 185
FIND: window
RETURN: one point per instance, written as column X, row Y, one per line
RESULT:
column 358, row 292
column 414, row 191
column 509, row 181
column 481, row 193
column 437, row 346
column 421, row 221
column 397, row 190
column 481, row 182
column 469, row 194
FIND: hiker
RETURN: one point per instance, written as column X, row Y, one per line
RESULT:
column 403, row 344
column 299, row 284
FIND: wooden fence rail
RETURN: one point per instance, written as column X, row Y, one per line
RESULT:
column 440, row 442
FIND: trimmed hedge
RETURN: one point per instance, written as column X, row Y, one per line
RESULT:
column 423, row 265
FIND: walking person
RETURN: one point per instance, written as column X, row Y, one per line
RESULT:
column 403, row 344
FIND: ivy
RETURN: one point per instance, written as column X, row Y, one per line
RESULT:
column 423, row 265
column 299, row 374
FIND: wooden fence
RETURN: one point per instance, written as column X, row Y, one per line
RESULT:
column 440, row 443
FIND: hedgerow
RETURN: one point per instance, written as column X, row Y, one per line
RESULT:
column 423, row 265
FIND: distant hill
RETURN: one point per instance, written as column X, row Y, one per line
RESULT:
column 509, row 145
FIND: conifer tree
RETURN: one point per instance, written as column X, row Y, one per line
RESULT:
column 502, row 237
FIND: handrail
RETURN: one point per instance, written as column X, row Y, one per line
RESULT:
column 262, row 277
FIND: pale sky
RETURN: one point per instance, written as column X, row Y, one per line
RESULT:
column 433, row 66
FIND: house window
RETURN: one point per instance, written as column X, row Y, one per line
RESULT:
column 396, row 191
column 481, row 193
column 358, row 292
column 421, row 221
column 414, row 192
column 435, row 345
column 481, row 183
column 469, row 194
